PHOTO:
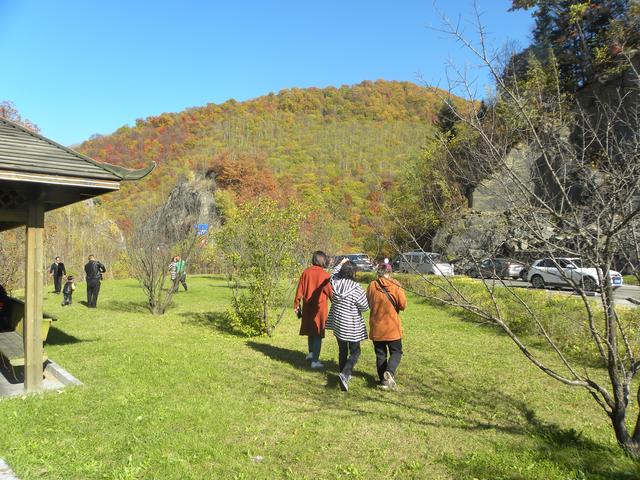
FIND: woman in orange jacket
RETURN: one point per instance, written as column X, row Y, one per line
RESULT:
column 314, row 291
column 386, row 299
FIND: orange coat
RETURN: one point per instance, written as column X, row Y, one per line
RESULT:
column 384, row 321
column 314, row 290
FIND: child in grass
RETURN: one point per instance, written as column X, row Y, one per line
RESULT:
column 67, row 291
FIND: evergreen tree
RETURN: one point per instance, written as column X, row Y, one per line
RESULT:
column 584, row 37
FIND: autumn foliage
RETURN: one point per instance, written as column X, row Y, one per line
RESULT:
column 332, row 151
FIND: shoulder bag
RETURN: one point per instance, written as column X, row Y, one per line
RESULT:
column 393, row 302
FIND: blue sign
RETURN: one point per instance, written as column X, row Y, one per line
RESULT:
column 202, row 228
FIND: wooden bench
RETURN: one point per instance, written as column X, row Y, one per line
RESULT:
column 12, row 343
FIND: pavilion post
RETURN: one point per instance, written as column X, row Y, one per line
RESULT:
column 32, row 327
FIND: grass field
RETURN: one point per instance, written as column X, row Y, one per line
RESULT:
column 173, row 397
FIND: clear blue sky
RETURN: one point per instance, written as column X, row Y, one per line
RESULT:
column 81, row 67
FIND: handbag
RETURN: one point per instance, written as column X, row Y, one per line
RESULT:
column 299, row 311
column 393, row 302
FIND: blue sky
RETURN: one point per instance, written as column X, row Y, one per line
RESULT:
column 81, row 67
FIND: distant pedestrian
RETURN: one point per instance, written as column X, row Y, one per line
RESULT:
column 311, row 303
column 57, row 271
column 173, row 272
column 386, row 299
column 93, row 274
column 68, row 290
column 345, row 318
column 177, row 271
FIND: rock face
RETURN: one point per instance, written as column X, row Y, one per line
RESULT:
column 494, row 228
column 494, row 194
column 499, row 234
column 189, row 203
column 475, row 234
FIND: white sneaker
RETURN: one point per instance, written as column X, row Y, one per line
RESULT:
column 343, row 380
column 309, row 356
column 391, row 382
column 317, row 365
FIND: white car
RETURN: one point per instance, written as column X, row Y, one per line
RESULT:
column 423, row 262
column 571, row 272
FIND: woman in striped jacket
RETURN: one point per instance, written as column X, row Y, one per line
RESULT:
column 345, row 318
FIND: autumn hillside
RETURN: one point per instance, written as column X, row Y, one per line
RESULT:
column 332, row 148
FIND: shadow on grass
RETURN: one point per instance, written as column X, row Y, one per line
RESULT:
column 128, row 307
column 567, row 450
column 58, row 337
column 526, row 446
column 215, row 320
column 450, row 402
column 297, row 359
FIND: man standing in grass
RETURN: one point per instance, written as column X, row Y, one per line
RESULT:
column 57, row 271
column 386, row 299
column 93, row 274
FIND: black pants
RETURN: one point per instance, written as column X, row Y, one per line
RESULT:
column 183, row 280
column 348, row 354
column 395, row 354
column 57, row 283
column 93, row 289
column 67, row 299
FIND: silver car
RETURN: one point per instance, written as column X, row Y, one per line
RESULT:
column 423, row 262
column 567, row 272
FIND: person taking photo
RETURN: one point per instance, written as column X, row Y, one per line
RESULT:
column 345, row 318
column 93, row 275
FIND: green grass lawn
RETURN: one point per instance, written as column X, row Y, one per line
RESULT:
column 173, row 397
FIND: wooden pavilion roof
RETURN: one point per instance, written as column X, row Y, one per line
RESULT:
column 32, row 166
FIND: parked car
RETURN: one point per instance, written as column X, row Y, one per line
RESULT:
column 395, row 264
column 423, row 262
column 496, row 268
column 567, row 272
column 361, row 260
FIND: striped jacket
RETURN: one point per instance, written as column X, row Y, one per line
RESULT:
column 347, row 305
column 173, row 270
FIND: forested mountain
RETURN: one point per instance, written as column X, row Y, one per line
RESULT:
column 333, row 150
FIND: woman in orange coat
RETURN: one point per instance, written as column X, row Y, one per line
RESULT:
column 314, row 290
column 386, row 298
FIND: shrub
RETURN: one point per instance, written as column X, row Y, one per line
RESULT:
column 528, row 313
column 244, row 317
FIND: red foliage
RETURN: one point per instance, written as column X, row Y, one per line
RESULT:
column 245, row 175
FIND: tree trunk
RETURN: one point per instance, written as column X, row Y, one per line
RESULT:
column 265, row 319
column 629, row 444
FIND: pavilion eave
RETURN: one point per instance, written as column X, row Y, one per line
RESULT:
column 14, row 176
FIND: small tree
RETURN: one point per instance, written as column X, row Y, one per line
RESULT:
column 153, row 240
column 260, row 242
column 579, row 198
